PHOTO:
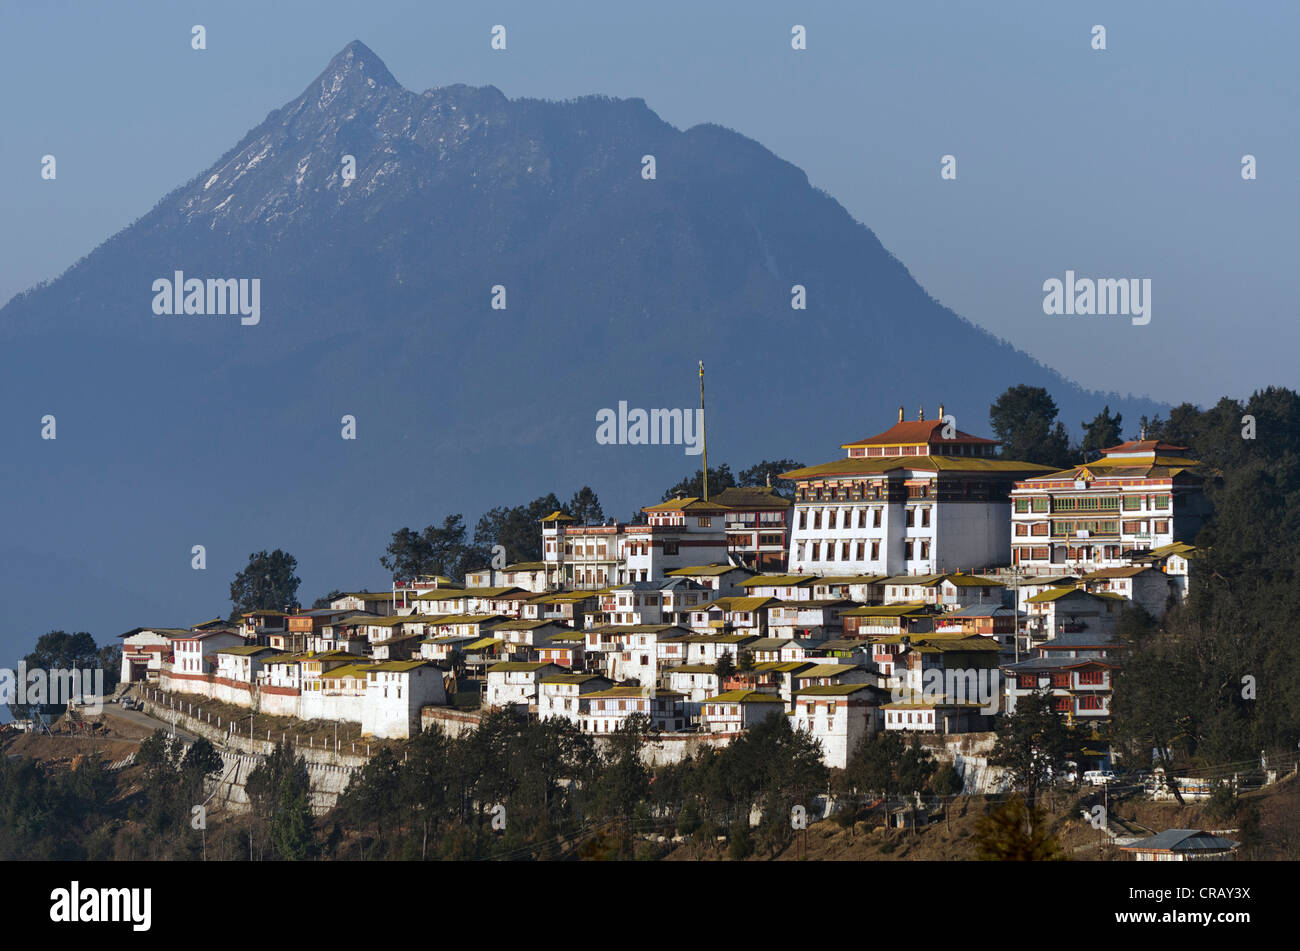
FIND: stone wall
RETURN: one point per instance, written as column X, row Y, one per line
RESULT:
column 663, row 749
column 329, row 771
column 969, row 753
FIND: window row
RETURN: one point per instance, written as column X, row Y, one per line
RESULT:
column 830, row 519
column 839, row 551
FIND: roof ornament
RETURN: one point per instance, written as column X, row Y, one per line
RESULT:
column 920, row 413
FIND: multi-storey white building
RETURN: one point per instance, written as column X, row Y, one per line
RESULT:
column 1138, row 496
column 722, row 580
column 526, row 575
column 580, row 556
column 679, row 533
column 196, row 652
column 146, row 651
column 758, row 526
column 1061, row 610
column 1153, row 590
column 607, row 710
column 515, row 682
column 920, row 498
column 629, row 651
column 1077, row 669
column 651, row 602
column 1173, row 561
column 839, row 716
column 737, row 710
column 564, row 695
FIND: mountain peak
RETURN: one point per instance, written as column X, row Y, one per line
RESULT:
column 355, row 66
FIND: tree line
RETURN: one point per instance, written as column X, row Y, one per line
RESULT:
column 519, row 788
column 1214, row 682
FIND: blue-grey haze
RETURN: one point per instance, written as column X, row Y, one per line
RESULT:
column 1117, row 163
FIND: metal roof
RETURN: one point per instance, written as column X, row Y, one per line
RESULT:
column 1182, row 840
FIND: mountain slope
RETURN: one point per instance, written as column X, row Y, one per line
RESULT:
column 177, row 431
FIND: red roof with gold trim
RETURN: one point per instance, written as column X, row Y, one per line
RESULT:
column 923, row 432
column 1145, row 445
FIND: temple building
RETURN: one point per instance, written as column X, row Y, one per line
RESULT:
column 679, row 533
column 920, row 498
column 582, row 557
column 1140, row 496
column 758, row 526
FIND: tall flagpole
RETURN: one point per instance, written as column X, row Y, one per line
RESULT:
column 704, row 439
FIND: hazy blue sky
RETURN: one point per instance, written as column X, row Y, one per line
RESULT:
column 1122, row 163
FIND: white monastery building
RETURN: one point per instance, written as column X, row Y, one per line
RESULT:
column 920, row 498
column 1139, row 496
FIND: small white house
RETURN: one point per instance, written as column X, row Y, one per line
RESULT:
column 818, row 619
column 737, row 615
column 961, row 590
column 372, row 602
column 737, row 710
column 256, row 625
column 195, row 652
column 528, row 575
column 1153, row 590
column 565, row 695
column 696, row 683
column 908, row 589
column 709, row 648
column 608, row 709
column 722, row 580
column 783, row 587
column 838, row 716
column 629, row 651
column 566, row 649
column 396, row 691
column 241, row 664
column 530, row 634
column 1072, row 610
column 145, row 650
column 442, row 648
column 767, row 650
column 516, row 682
column 831, row 675
column 1173, row 562
column 935, row 717
column 282, row 670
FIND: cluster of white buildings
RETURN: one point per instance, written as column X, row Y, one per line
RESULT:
column 217, row 661
column 920, row 583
